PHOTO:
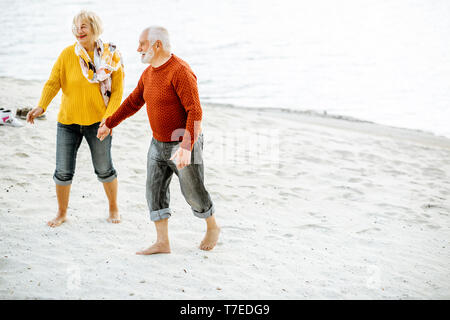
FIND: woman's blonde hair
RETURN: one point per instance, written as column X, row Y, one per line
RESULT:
column 94, row 21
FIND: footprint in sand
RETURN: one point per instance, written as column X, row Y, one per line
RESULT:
column 312, row 226
column 350, row 196
column 394, row 172
column 299, row 189
column 217, row 194
column 369, row 231
column 297, row 174
column 21, row 155
column 416, row 221
column 387, row 213
column 431, row 206
column 139, row 171
column 22, row 184
column 286, row 195
column 369, row 185
column 347, row 188
column 248, row 187
column 433, row 172
column 441, row 210
column 345, row 155
column 393, row 206
column 238, row 228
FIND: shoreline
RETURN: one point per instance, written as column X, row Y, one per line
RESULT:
column 313, row 115
column 347, row 122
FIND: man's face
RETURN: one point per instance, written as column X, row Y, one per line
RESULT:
column 145, row 48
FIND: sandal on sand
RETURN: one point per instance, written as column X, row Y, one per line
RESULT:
column 22, row 113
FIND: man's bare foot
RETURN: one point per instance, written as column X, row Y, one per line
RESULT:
column 210, row 239
column 60, row 218
column 114, row 216
column 158, row 247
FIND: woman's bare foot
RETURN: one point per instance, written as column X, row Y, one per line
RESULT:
column 114, row 216
column 60, row 218
column 157, row 247
column 210, row 239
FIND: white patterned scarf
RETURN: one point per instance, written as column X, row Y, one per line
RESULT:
column 107, row 59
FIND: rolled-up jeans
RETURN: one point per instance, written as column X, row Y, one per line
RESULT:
column 68, row 140
column 160, row 170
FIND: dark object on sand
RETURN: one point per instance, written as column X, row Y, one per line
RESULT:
column 22, row 113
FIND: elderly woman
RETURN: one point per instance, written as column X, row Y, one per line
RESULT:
column 90, row 74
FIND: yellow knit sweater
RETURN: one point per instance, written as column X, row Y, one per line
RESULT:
column 82, row 101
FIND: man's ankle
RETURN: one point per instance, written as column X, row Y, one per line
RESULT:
column 211, row 223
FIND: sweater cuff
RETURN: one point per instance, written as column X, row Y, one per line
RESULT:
column 108, row 123
column 188, row 143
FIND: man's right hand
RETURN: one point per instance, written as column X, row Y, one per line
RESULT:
column 103, row 132
column 36, row 112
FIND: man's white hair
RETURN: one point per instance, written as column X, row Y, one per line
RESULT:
column 158, row 33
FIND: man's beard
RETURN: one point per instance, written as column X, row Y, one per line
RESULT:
column 148, row 56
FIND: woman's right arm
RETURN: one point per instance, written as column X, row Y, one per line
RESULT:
column 49, row 91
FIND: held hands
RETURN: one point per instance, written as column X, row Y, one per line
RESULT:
column 182, row 158
column 34, row 113
column 103, row 131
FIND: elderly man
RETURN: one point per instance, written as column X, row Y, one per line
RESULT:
column 169, row 89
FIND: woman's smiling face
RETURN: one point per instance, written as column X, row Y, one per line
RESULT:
column 83, row 32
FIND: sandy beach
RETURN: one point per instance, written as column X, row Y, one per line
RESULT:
column 310, row 208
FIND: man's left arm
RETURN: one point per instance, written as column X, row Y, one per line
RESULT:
column 185, row 84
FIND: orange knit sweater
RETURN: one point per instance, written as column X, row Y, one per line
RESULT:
column 173, row 106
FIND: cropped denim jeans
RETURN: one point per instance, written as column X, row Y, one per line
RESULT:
column 68, row 140
column 160, row 170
